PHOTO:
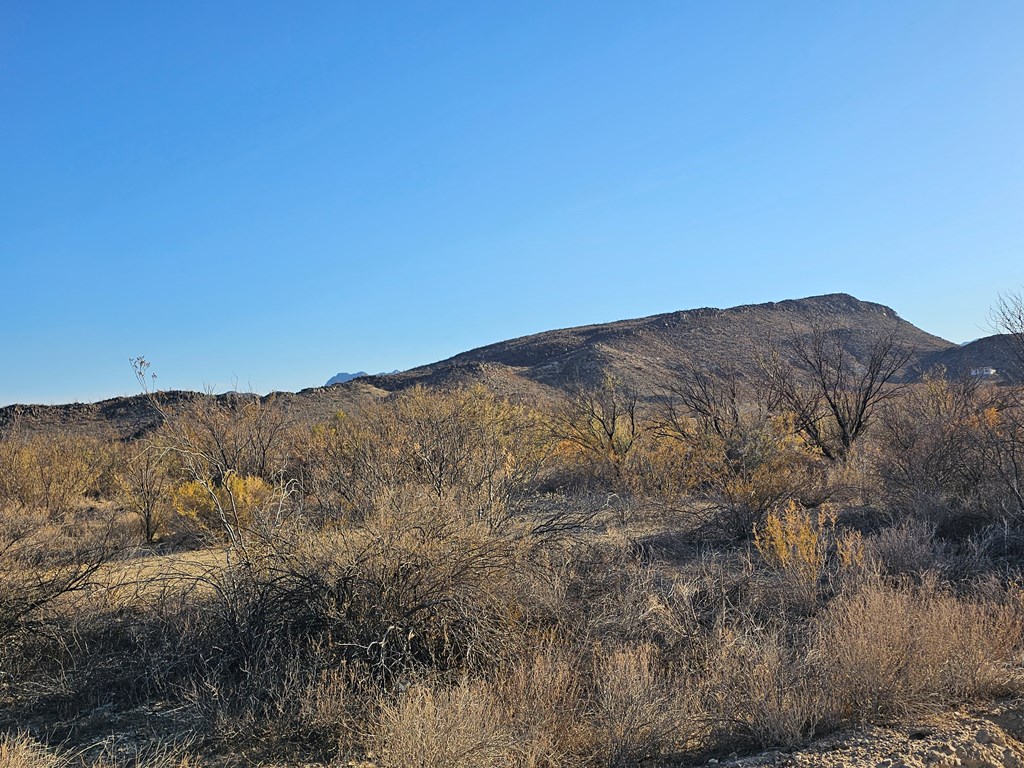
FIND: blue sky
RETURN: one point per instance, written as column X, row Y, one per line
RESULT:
column 264, row 194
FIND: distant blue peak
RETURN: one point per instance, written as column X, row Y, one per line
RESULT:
column 341, row 378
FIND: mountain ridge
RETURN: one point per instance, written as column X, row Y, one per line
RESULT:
column 646, row 351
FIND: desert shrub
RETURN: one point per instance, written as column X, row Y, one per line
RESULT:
column 661, row 472
column 638, row 713
column 214, row 436
column 1003, row 452
column 467, row 447
column 144, row 489
column 543, row 695
column 890, row 651
column 437, row 727
column 414, row 587
column 226, row 508
column 739, row 455
column 598, row 428
column 52, row 472
column 739, row 496
column 42, row 562
column 929, row 456
column 906, row 549
column 758, row 687
column 806, row 550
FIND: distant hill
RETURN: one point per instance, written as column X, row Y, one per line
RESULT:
column 135, row 415
column 341, row 378
column 646, row 351
column 997, row 352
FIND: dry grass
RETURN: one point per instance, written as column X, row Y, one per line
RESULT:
column 893, row 651
column 438, row 727
column 19, row 750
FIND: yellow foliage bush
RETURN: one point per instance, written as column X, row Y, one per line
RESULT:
column 799, row 544
column 222, row 507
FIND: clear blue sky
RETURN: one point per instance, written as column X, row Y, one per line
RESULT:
column 268, row 193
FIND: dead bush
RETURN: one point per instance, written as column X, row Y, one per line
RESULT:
column 437, row 727
column 52, row 472
column 929, row 457
column 639, row 712
column 906, row 549
column 888, row 652
column 599, row 427
column 37, row 573
column 544, row 701
column 466, row 447
column 739, row 454
column 758, row 688
column 144, row 489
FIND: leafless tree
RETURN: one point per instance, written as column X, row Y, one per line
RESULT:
column 1007, row 318
column 603, row 422
column 830, row 392
column 700, row 403
column 144, row 487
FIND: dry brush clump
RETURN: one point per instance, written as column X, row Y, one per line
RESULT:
column 20, row 750
column 467, row 447
column 56, row 472
column 893, row 650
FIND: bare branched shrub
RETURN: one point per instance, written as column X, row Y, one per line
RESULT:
column 832, row 396
column 1007, row 317
column 35, row 576
column 601, row 426
column 741, row 455
column 1002, row 450
column 144, row 488
column 467, row 447
column 930, row 458
column 52, row 472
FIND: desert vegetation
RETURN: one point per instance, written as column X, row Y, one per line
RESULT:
column 617, row 575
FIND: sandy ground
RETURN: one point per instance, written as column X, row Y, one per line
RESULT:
column 975, row 738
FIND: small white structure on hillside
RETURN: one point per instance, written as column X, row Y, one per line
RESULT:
column 983, row 373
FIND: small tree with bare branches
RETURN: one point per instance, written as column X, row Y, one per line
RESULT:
column 831, row 393
column 603, row 423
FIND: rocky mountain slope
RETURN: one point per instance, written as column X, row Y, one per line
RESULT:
column 645, row 351
column 648, row 350
column 998, row 352
column 135, row 415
